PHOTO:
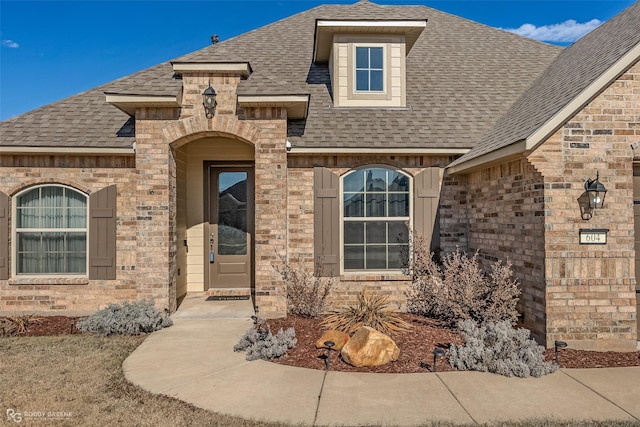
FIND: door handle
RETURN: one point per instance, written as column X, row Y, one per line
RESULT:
column 211, row 253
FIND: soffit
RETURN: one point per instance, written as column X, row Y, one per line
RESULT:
column 326, row 29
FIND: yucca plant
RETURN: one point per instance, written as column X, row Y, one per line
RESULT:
column 371, row 310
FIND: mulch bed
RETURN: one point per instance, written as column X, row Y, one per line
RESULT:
column 46, row 326
column 416, row 346
column 416, row 349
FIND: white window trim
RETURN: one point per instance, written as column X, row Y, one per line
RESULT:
column 14, row 236
column 341, row 226
column 385, row 68
column 386, row 63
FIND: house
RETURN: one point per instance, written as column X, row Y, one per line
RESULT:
column 325, row 139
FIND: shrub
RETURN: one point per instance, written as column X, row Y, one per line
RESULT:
column 261, row 344
column 459, row 289
column 499, row 348
column 306, row 293
column 128, row 318
column 371, row 310
column 17, row 324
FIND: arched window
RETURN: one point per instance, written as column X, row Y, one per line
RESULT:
column 50, row 231
column 376, row 206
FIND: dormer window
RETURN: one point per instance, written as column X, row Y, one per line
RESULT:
column 367, row 60
column 369, row 73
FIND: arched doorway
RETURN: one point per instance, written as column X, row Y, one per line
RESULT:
column 215, row 215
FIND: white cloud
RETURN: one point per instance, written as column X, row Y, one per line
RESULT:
column 565, row 32
column 10, row 44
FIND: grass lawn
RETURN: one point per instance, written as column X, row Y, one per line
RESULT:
column 77, row 380
column 80, row 376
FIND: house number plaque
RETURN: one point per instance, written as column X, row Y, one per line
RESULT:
column 593, row 236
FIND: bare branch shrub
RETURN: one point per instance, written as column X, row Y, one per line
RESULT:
column 17, row 324
column 371, row 310
column 459, row 289
column 306, row 293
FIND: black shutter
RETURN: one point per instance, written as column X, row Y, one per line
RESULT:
column 326, row 235
column 102, row 234
column 4, row 236
column 427, row 197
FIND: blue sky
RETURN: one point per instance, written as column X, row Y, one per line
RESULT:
column 50, row 50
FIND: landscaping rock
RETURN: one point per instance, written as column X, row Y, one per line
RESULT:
column 339, row 338
column 368, row 347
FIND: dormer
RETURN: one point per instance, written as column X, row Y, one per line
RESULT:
column 367, row 60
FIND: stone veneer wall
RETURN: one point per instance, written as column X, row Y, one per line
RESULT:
column 300, row 213
column 590, row 289
column 505, row 214
column 87, row 174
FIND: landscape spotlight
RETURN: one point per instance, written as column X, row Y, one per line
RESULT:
column 437, row 354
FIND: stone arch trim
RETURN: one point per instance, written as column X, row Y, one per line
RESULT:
column 186, row 130
column 33, row 183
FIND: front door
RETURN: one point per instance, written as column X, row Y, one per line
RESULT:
column 231, row 218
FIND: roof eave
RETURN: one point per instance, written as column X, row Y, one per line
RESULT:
column 96, row 151
column 543, row 132
column 380, row 150
column 502, row 155
column 297, row 105
column 325, row 29
column 238, row 68
column 589, row 93
column 129, row 103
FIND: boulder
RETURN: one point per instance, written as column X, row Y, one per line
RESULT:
column 368, row 347
column 339, row 338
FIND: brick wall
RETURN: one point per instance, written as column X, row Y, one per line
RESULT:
column 505, row 214
column 590, row 289
column 300, row 211
column 155, row 207
column 265, row 129
column 529, row 211
column 87, row 174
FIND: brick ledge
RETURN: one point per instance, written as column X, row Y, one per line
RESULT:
column 49, row 281
column 373, row 277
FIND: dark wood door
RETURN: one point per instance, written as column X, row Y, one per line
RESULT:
column 231, row 219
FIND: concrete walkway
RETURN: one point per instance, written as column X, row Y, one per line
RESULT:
column 194, row 362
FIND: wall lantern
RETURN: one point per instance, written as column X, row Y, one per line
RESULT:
column 595, row 192
column 209, row 101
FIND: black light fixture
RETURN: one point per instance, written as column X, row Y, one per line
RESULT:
column 327, row 361
column 437, row 354
column 557, row 345
column 595, row 192
column 209, row 101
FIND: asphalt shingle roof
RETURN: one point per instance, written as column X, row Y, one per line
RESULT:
column 572, row 72
column 461, row 76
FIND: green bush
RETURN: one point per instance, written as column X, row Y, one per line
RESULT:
column 500, row 349
column 128, row 318
column 459, row 289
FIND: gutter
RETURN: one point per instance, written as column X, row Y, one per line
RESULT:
column 361, row 150
column 96, row 151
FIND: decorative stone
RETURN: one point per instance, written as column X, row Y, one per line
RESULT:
column 339, row 338
column 368, row 347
